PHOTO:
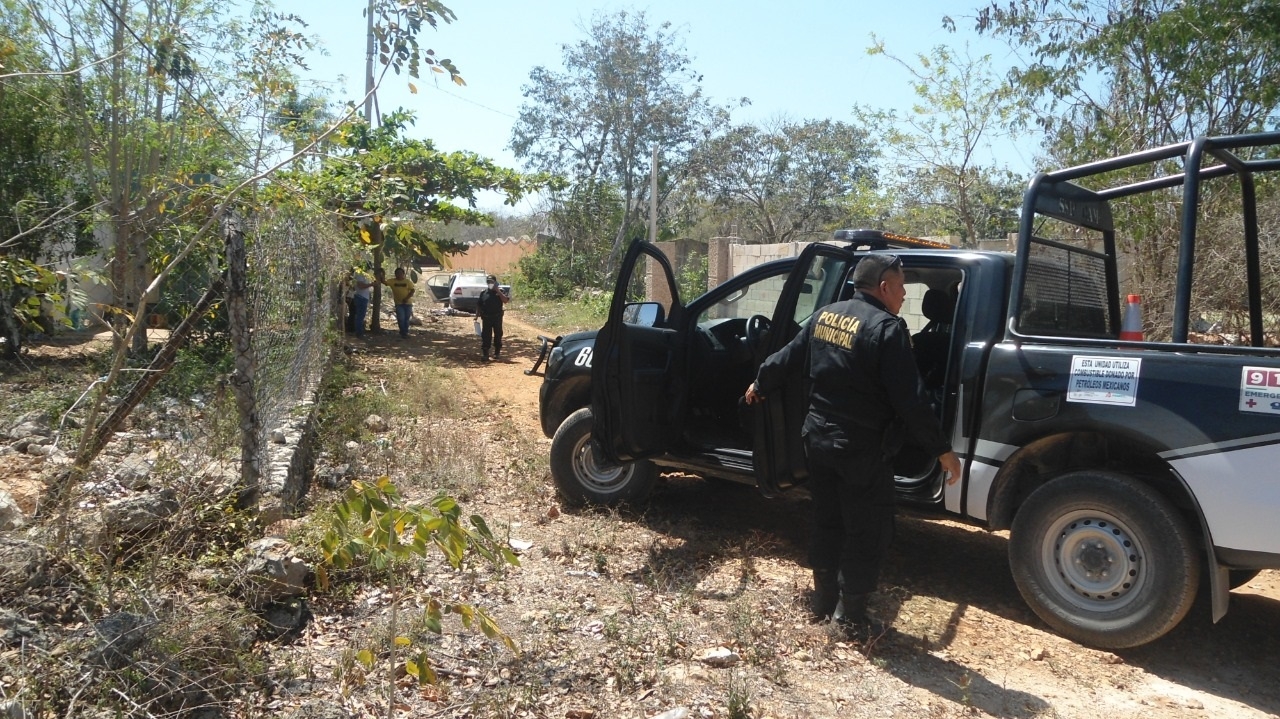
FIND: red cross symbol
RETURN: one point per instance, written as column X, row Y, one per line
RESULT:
column 1251, row 403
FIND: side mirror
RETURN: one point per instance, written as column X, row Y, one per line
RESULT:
column 643, row 314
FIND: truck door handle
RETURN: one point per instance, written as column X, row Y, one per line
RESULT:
column 1042, row 372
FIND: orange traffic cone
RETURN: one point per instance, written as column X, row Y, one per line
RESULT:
column 1131, row 327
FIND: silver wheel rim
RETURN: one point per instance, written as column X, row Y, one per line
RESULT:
column 594, row 473
column 1094, row 561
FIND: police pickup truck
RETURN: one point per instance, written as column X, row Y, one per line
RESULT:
column 1127, row 469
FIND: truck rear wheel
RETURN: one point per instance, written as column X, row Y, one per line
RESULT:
column 582, row 476
column 1103, row 559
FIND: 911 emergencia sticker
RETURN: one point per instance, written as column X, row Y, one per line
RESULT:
column 1260, row 390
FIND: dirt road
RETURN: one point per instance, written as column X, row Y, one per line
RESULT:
column 967, row 644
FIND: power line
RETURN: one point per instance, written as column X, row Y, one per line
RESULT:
column 473, row 102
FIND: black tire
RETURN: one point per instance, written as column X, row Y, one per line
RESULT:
column 1104, row 559
column 584, row 477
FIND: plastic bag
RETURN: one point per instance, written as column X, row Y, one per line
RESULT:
column 477, row 326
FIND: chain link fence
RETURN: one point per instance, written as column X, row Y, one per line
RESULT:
column 198, row 421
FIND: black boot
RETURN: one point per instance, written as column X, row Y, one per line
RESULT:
column 851, row 610
column 826, row 593
column 851, row 615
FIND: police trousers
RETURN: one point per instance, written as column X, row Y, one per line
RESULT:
column 853, row 509
column 490, row 333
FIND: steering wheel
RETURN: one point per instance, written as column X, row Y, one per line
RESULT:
column 758, row 327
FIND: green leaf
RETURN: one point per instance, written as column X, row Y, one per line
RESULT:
column 481, row 526
column 403, row 641
column 365, row 657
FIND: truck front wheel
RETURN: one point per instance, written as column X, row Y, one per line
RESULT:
column 582, row 476
column 1104, row 559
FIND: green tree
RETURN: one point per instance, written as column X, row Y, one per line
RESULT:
column 933, row 151
column 393, row 193
column 152, row 131
column 625, row 90
column 1116, row 76
column 39, row 204
column 575, row 258
column 788, row 181
column 1111, row 77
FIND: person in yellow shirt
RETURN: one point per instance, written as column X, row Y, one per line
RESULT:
column 402, row 290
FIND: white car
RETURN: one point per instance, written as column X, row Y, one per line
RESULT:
column 465, row 289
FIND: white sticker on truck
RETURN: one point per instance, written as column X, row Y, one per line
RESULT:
column 1104, row 380
column 1260, row 390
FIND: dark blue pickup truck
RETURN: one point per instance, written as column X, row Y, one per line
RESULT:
column 1126, row 468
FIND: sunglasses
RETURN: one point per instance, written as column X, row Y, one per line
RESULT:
column 895, row 263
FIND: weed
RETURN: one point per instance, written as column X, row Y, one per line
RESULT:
column 750, row 631
column 738, row 697
column 673, row 635
column 373, row 521
column 965, row 685
column 612, row 628
column 560, row 317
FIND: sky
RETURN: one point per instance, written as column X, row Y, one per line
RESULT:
column 804, row 59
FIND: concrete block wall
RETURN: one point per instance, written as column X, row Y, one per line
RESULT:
column 744, row 257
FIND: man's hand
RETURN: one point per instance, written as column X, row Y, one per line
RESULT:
column 752, row 396
column 951, row 466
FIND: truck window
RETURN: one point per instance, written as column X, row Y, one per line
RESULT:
column 823, row 285
column 1065, row 293
column 757, row 299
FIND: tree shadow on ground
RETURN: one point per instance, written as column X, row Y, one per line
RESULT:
column 438, row 339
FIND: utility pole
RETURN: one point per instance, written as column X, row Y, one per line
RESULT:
column 653, row 196
column 370, row 47
column 375, row 224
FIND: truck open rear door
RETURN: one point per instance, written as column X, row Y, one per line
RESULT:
column 820, row 277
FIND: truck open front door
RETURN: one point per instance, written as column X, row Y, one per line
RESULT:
column 636, row 396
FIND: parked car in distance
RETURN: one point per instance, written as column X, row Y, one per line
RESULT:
column 464, row 291
column 460, row 290
column 439, row 284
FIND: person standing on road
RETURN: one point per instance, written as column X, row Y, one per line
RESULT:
column 489, row 309
column 360, row 299
column 865, row 399
column 402, row 290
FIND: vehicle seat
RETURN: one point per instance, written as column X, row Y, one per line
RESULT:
column 932, row 343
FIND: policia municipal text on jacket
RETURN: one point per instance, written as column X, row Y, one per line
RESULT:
column 865, row 399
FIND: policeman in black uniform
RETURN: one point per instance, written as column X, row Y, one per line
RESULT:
column 489, row 308
column 865, row 400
